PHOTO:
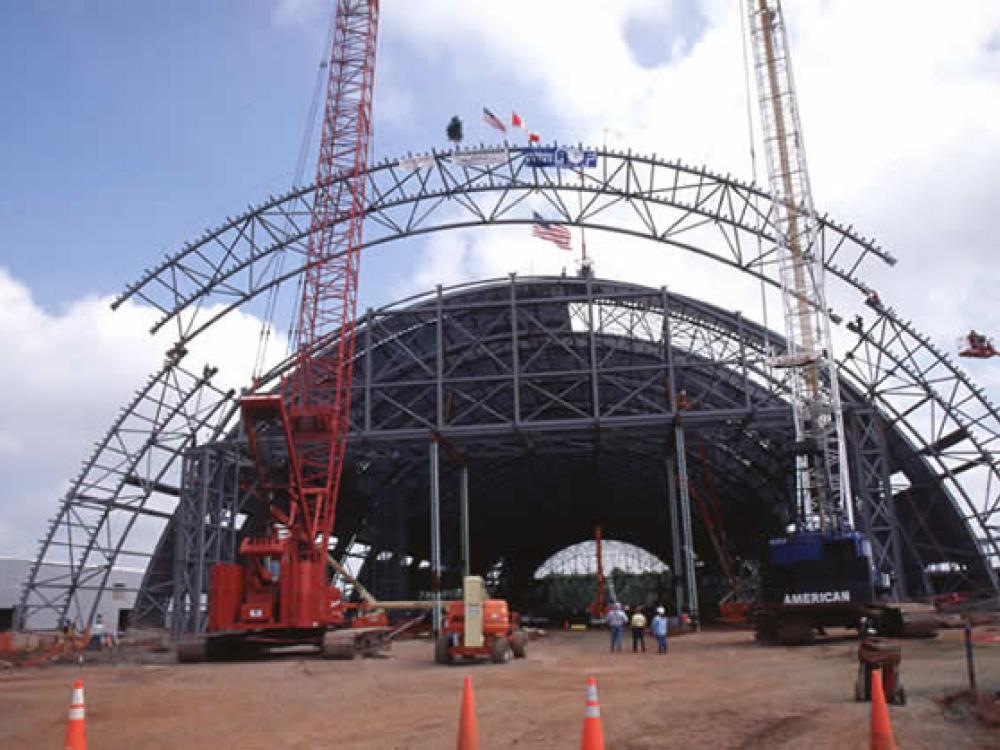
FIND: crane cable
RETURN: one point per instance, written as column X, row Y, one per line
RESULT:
column 305, row 149
column 744, row 33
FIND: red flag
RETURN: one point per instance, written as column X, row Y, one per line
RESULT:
column 534, row 138
column 516, row 121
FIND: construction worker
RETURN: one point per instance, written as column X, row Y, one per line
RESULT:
column 638, row 628
column 616, row 621
column 659, row 628
column 97, row 634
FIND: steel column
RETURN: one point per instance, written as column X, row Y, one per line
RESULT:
column 878, row 507
column 435, row 490
column 675, row 534
column 689, row 575
column 463, row 502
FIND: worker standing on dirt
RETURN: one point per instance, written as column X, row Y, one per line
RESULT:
column 617, row 619
column 659, row 628
column 638, row 628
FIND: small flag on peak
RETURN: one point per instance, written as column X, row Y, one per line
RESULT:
column 493, row 121
column 516, row 121
column 555, row 233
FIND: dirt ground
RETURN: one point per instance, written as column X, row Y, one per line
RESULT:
column 713, row 690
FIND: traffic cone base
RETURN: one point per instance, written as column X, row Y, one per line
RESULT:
column 76, row 728
column 881, row 728
column 593, row 733
column 468, row 731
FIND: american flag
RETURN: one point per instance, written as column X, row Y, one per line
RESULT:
column 545, row 230
column 492, row 120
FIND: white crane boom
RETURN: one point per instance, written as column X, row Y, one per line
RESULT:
column 822, row 475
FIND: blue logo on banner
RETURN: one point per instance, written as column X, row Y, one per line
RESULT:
column 551, row 156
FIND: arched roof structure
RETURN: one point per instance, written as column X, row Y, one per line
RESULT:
column 939, row 427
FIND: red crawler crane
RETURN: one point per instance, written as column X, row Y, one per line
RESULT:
column 280, row 592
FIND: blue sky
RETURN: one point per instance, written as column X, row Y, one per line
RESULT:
column 129, row 126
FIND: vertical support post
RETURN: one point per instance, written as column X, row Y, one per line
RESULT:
column 970, row 665
column 435, row 487
column 515, row 354
column 743, row 361
column 689, row 574
column 675, row 535
column 368, row 369
column 592, row 332
column 198, row 586
column 687, row 544
column 463, row 502
column 439, row 348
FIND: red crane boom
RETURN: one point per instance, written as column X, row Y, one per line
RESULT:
column 282, row 582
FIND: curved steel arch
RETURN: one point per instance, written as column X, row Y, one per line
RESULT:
column 628, row 194
column 943, row 411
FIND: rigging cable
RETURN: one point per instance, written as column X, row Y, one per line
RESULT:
column 305, row 149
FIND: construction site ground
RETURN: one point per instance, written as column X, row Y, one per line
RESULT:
column 715, row 689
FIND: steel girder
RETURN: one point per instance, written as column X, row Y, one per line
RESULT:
column 919, row 390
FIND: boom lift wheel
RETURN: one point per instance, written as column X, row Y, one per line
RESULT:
column 500, row 651
column 442, row 650
column 519, row 644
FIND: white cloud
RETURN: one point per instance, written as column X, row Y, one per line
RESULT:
column 900, row 107
column 66, row 375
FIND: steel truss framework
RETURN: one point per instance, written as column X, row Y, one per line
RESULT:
column 919, row 392
column 533, row 383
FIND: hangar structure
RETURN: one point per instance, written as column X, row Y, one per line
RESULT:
column 547, row 404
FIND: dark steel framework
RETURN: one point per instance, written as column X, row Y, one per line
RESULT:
column 944, row 485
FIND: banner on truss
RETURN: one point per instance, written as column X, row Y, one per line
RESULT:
column 560, row 156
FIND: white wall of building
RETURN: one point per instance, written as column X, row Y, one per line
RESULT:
column 120, row 594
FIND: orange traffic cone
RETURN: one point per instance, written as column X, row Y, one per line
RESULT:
column 76, row 728
column 881, row 733
column 593, row 734
column 468, row 732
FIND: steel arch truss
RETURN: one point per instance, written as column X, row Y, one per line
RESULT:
column 123, row 496
column 918, row 390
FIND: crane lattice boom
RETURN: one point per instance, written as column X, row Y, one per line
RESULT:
column 824, row 497
column 308, row 418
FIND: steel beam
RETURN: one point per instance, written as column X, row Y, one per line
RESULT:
column 463, row 502
column 675, row 535
column 435, row 498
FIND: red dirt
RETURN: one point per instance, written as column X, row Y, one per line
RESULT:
column 713, row 690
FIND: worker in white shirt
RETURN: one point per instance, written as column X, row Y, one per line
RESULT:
column 617, row 620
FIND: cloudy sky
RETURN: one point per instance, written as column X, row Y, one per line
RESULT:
column 129, row 127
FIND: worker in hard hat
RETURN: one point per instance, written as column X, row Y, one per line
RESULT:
column 659, row 628
column 638, row 629
column 617, row 619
